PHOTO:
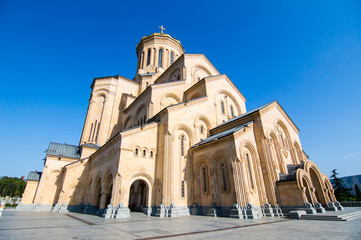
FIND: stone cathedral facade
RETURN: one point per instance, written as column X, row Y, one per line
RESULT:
column 177, row 140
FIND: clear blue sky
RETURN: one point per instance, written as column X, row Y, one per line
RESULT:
column 305, row 54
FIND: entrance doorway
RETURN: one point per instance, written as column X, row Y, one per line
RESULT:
column 138, row 196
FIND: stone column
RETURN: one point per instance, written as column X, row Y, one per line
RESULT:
column 156, row 56
column 103, row 200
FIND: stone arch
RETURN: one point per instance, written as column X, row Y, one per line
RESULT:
column 107, row 189
column 328, row 189
column 305, row 185
column 97, row 188
column 203, row 172
column 316, row 180
column 202, row 125
column 145, row 152
column 127, row 123
column 152, row 153
column 199, row 72
column 276, row 153
column 176, row 75
column 247, row 147
column 185, row 128
column 233, row 100
column 221, row 165
column 285, row 143
column 141, row 112
column 169, row 99
column 149, row 184
column 101, row 92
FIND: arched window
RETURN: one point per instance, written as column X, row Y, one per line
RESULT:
column 222, row 106
column 144, row 153
column 283, row 141
column 182, row 145
column 160, row 58
column 224, row 177
column 204, row 171
column 148, row 57
column 249, row 171
column 232, row 113
column 151, row 154
column 136, row 152
column 171, row 57
column 182, row 188
column 201, row 129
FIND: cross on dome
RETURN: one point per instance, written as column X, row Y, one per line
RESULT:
column 161, row 28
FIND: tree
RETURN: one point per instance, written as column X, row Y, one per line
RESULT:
column 12, row 186
column 342, row 193
column 358, row 193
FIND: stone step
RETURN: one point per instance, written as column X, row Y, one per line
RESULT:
column 350, row 214
column 322, row 217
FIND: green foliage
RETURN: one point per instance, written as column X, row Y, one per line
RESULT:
column 358, row 193
column 11, row 205
column 342, row 193
column 12, row 186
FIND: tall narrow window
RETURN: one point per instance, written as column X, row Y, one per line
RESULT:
column 182, row 145
column 160, row 58
column 232, row 113
column 201, row 129
column 171, row 57
column 90, row 134
column 136, row 152
column 222, row 106
column 144, row 119
column 249, row 171
column 95, row 127
column 224, row 177
column 283, row 142
column 144, row 153
column 151, row 154
column 182, row 188
column 204, row 180
column 96, row 138
column 148, row 57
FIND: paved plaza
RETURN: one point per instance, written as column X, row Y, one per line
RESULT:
column 46, row 225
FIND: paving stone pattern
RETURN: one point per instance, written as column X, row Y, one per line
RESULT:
column 45, row 225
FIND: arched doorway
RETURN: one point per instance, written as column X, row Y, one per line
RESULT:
column 307, row 191
column 317, row 185
column 97, row 192
column 138, row 196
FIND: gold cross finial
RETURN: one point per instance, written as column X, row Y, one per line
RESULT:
column 161, row 28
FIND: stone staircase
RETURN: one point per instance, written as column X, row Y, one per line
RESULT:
column 326, row 217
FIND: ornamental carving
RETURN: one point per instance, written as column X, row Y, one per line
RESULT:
column 106, row 157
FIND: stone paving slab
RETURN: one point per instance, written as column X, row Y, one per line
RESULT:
column 40, row 225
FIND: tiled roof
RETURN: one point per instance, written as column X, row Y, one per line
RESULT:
column 64, row 150
column 246, row 114
column 222, row 134
column 34, row 176
column 92, row 145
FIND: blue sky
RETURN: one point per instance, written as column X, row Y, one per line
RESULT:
column 305, row 54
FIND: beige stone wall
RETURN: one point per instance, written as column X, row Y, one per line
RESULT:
column 75, row 183
column 30, row 191
column 51, row 180
column 290, row 195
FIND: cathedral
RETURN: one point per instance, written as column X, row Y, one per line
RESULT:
column 178, row 140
